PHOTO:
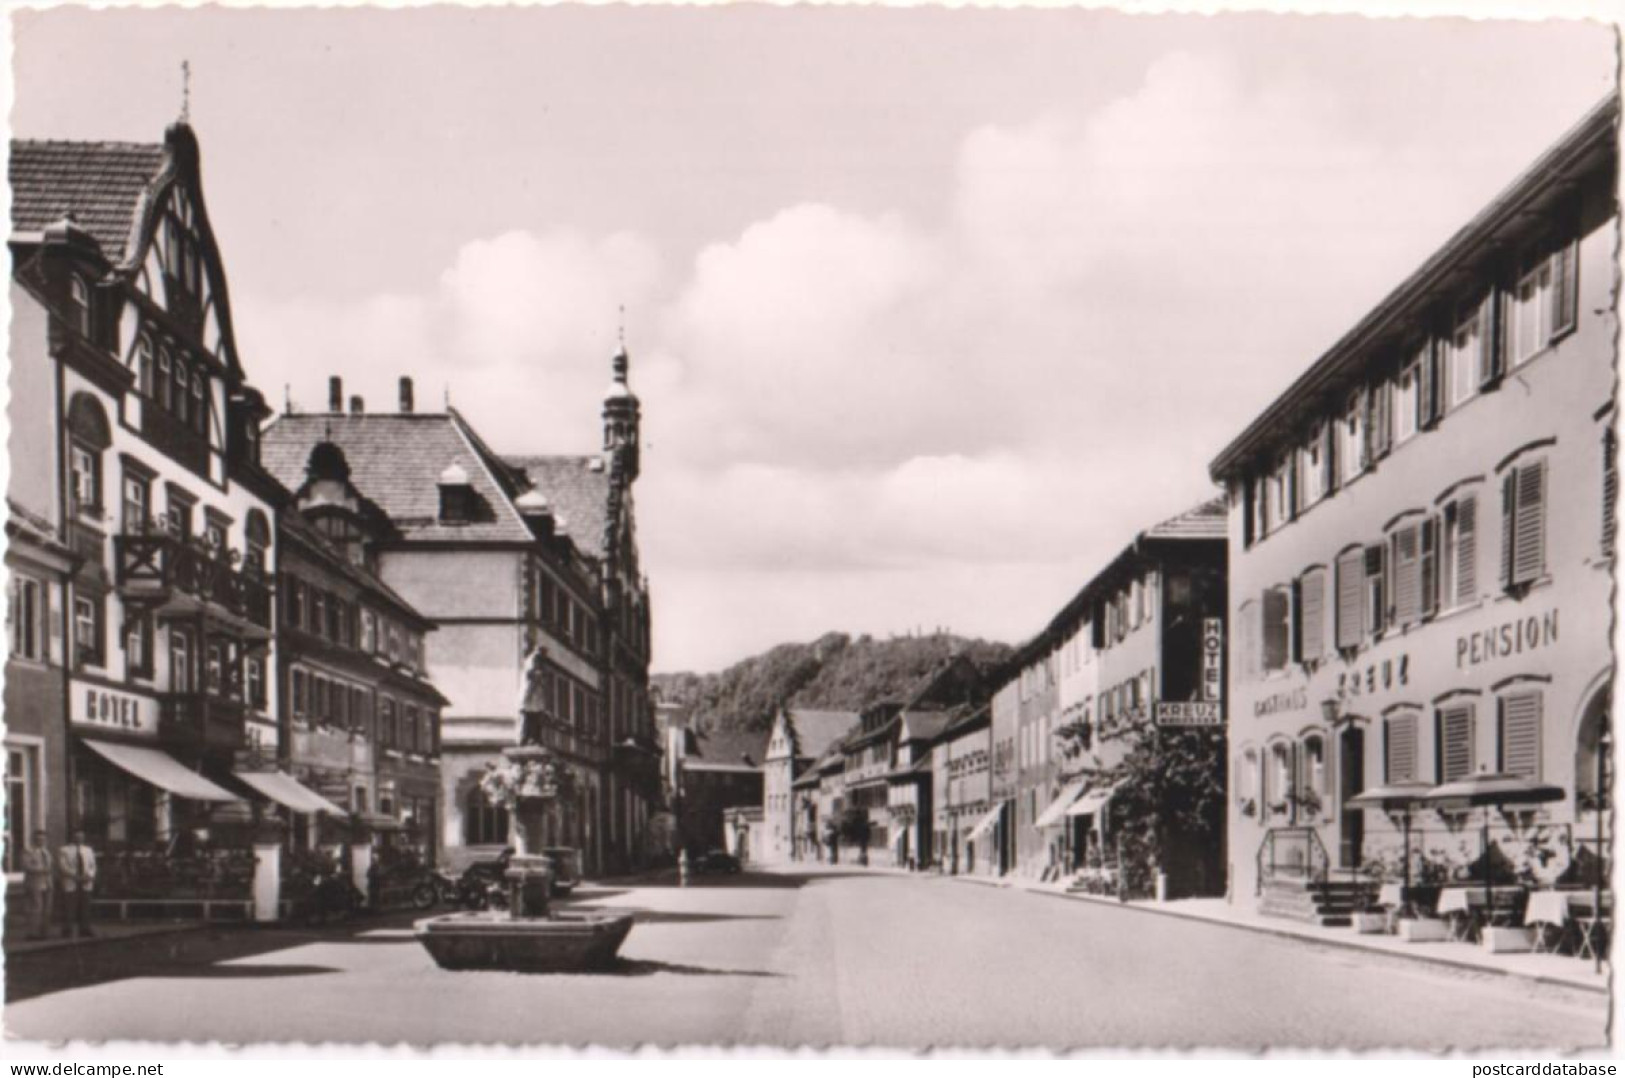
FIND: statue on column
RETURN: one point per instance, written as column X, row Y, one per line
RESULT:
column 535, row 696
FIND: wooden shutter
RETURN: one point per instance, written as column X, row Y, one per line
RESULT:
column 1312, row 616
column 1407, row 575
column 1466, row 553
column 1376, row 584
column 1428, row 567
column 1380, row 431
column 1276, row 629
column 1489, row 359
column 1529, row 525
column 1434, row 381
column 1455, row 742
column 1399, row 744
column 1368, row 445
column 1565, row 288
column 1350, row 598
column 1610, row 488
column 1520, row 734
column 1328, row 459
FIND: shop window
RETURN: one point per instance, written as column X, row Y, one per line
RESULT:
column 1518, row 733
column 1457, row 755
column 89, row 647
column 25, row 616
column 1399, row 748
column 1523, row 524
column 23, row 816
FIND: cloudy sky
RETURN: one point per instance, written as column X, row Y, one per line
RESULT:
column 929, row 310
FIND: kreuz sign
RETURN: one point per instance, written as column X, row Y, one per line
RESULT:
column 1189, row 713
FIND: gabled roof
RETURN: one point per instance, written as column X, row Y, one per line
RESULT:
column 102, row 184
column 925, row 725
column 732, row 747
column 1205, row 521
column 816, row 731
column 397, row 459
column 577, row 487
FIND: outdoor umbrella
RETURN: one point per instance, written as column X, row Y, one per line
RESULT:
column 1491, row 789
column 1395, row 797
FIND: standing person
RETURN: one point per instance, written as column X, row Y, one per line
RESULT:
column 37, row 885
column 76, row 873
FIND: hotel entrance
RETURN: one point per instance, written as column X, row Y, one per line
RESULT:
column 1351, row 781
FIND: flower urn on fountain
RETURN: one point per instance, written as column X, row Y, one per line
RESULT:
column 529, row 781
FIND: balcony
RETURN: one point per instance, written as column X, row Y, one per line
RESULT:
column 199, row 721
column 177, row 577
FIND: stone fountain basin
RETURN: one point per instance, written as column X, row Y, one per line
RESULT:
column 560, row 943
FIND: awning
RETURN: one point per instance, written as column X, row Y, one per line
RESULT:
column 985, row 824
column 284, row 789
column 159, row 769
column 1057, row 808
column 1093, row 801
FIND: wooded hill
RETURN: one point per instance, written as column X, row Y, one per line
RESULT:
column 835, row 672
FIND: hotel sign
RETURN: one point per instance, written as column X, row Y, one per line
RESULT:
column 1513, row 637
column 1212, row 659
column 106, row 708
column 1190, row 713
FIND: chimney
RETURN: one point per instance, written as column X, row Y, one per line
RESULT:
column 335, row 394
column 357, row 405
column 406, row 395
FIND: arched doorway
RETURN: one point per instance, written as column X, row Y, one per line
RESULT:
column 1593, row 721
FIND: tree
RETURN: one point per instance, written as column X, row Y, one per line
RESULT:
column 1170, row 793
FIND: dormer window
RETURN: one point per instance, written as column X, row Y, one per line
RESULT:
column 79, row 304
column 456, row 496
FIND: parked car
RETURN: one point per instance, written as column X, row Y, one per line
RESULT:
column 718, row 861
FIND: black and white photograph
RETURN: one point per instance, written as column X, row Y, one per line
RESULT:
column 913, row 529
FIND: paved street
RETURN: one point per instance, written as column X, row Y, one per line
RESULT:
column 838, row 957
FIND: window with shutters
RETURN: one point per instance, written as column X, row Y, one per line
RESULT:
column 1376, row 590
column 1380, row 419
column 1312, row 767
column 1465, row 352
column 1458, row 552
column 1518, row 734
column 1405, row 552
column 1428, row 566
column 1278, row 780
column 1277, row 606
column 1351, row 448
column 1247, row 776
column 1456, row 755
column 1350, row 598
column 1399, row 746
column 1248, row 616
column 1408, row 402
column 1312, row 466
column 1543, row 305
column 1523, row 524
column 1310, row 616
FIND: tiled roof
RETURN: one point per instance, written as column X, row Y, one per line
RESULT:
column 925, row 725
column 733, row 746
column 577, row 487
column 816, row 731
column 1205, row 521
column 396, row 461
column 100, row 183
column 296, row 524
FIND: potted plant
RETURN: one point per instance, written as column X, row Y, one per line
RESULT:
column 1416, row 924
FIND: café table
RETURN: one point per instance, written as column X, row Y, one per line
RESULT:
column 1560, row 910
column 1391, row 900
column 1463, row 906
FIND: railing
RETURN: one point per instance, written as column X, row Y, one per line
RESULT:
column 1294, row 852
column 159, row 874
column 200, row 719
column 165, row 563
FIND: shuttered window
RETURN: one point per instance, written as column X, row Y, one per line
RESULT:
column 1429, row 371
column 1376, row 589
column 1565, row 288
column 1458, row 572
column 1520, row 734
column 1312, row 615
column 1350, row 598
column 1277, row 629
column 1407, row 561
column 1491, row 340
column 1381, row 427
column 1399, row 748
column 1456, row 756
column 1428, row 568
column 1523, row 524
column 1250, row 630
